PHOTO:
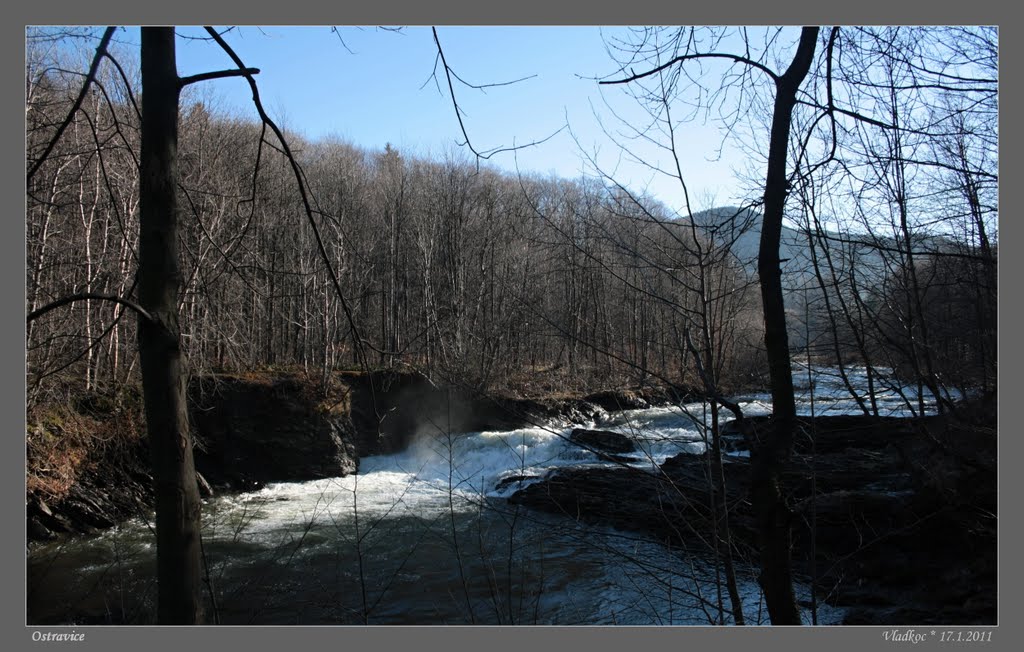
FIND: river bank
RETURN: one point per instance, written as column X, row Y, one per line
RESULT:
column 257, row 428
column 892, row 519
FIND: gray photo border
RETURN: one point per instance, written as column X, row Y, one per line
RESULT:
column 521, row 12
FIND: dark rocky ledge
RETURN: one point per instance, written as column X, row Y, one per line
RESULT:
column 251, row 429
column 893, row 519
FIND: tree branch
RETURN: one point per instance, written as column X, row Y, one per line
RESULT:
column 86, row 296
column 357, row 340
column 218, row 74
column 448, row 73
column 709, row 387
column 687, row 57
column 101, row 51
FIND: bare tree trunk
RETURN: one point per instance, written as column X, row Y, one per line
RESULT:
column 163, row 369
column 772, row 514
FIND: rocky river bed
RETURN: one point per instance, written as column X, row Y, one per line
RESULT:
column 892, row 519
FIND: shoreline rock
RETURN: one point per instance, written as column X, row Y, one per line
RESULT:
column 904, row 509
column 607, row 445
column 251, row 433
column 114, row 486
column 903, row 512
column 252, row 429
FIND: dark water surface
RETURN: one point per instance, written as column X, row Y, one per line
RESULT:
column 425, row 536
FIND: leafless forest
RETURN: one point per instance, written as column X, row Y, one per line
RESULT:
column 868, row 245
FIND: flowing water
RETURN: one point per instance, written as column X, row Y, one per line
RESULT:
column 426, row 536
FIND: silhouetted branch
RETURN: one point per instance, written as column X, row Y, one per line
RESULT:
column 357, row 340
column 449, row 73
column 127, row 85
column 688, row 57
column 87, row 296
column 218, row 74
column 89, row 78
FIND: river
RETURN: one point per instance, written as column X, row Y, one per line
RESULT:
column 427, row 537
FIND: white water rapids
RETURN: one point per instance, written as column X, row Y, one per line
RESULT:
column 425, row 536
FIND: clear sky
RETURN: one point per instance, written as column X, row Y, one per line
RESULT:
column 371, row 87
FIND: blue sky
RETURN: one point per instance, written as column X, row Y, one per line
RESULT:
column 376, row 88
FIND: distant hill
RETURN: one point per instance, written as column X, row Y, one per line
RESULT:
column 743, row 227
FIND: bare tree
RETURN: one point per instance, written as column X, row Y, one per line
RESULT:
column 179, row 574
column 773, row 516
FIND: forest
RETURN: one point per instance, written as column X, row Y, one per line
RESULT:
column 173, row 246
